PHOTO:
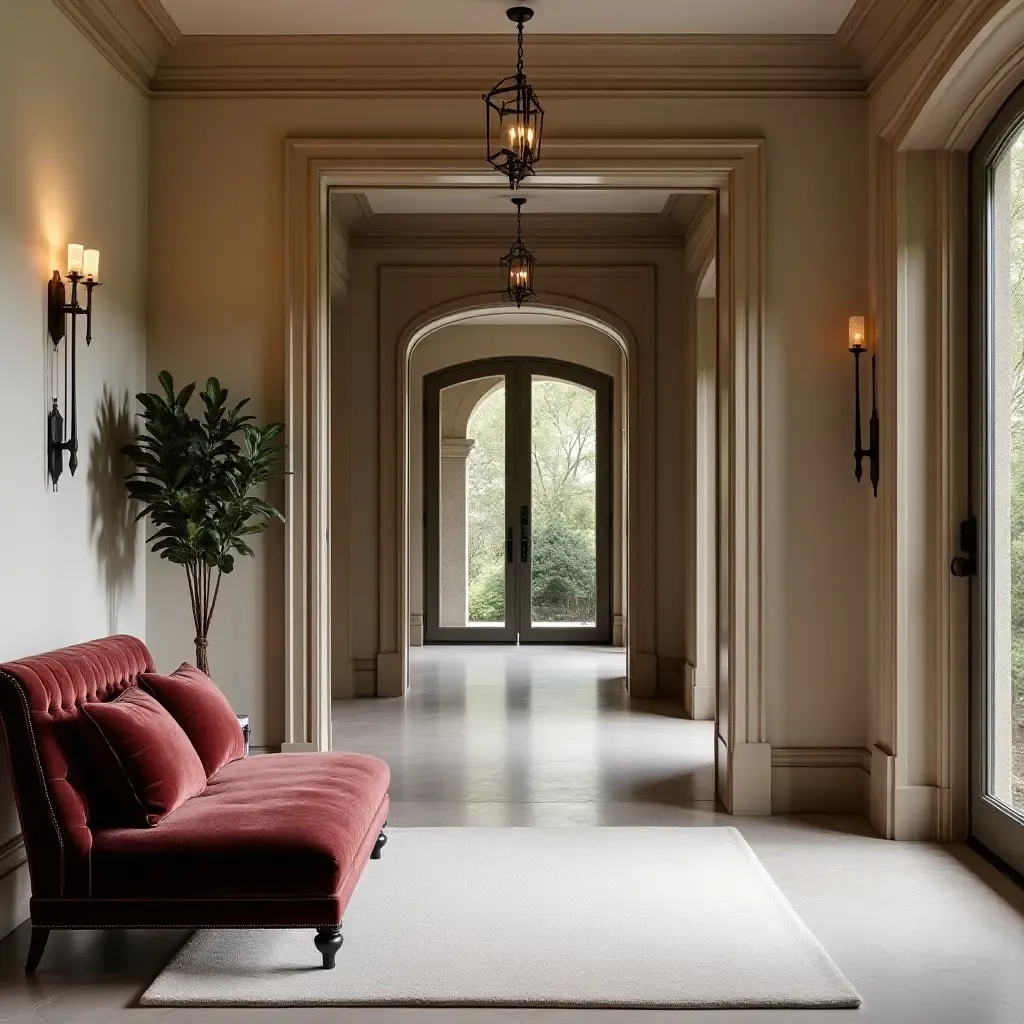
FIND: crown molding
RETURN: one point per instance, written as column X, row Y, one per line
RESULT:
column 881, row 35
column 131, row 34
column 541, row 231
column 559, row 65
column 165, row 24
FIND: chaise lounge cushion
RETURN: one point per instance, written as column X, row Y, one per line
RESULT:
column 196, row 704
column 284, row 825
column 145, row 765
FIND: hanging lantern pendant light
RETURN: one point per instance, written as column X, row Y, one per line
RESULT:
column 518, row 264
column 514, row 117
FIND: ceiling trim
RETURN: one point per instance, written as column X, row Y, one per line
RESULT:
column 131, row 34
column 458, row 64
column 881, row 35
column 158, row 15
column 542, row 231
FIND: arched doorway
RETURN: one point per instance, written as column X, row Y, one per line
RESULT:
column 568, row 336
column 518, row 508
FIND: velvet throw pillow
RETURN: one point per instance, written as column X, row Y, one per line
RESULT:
column 196, row 704
column 144, row 764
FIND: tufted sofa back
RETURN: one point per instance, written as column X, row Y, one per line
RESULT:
column 40, row 699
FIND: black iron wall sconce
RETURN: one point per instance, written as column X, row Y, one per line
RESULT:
column 84, row 271
column 858, row 347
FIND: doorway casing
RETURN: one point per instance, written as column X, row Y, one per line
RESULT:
column 735, row 170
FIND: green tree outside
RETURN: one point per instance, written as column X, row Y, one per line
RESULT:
column 563, row 475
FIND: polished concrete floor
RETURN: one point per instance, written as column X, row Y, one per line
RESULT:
column 547, row 737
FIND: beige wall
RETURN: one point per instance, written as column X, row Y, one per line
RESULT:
column 73, row 153
column 579, row 344
column 217, row 209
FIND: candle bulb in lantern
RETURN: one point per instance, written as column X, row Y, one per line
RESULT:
column 857, row 334
column 91, row 264
column 75, row 256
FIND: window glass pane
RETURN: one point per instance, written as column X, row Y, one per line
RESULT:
column 472, row 499
column 564, row 501
column 1005, row 726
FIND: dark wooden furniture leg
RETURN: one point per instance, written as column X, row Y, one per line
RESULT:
column 380, row 844
column 35, row 948
column 328, row 940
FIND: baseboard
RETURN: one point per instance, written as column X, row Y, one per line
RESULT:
column 670, row 678
column 298, row 748
column 12, row 855
column 618, row 631
column 752, row 779
column 390, row 674
column 916, row 813
column 907, row 813
column 821, row 757
column 15, row 886
column 643, row 674
column 416, row 630
column 364, row 677
column 699, row 702
column 820, row 780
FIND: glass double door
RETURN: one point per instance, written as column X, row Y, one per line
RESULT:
column 518, row 511
column 992, row 540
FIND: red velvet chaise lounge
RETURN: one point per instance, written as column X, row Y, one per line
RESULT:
column 274, row 841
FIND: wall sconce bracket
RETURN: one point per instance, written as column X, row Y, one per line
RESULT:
column 58, row 309
column 860, row 453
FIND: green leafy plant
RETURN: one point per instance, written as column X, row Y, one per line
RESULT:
column 199, row 482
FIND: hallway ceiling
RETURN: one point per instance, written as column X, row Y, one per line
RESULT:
column 399, row 207
column 496, row 201
column 570, row 17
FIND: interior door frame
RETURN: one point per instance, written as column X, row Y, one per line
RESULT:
column 519, row 372
column 998, row 827
column 736, row 169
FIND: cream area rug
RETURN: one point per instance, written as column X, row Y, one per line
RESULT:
column 681, row 918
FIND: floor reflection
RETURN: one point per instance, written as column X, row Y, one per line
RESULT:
column 529, row 735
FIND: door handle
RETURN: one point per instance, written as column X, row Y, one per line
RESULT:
column 966, row 564
column 509, row 545
column 524, row 534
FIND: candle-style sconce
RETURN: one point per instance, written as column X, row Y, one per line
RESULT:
column 83, row 271
column 858, row 347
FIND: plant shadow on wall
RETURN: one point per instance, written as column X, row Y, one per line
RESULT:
column 111, row 515
column 199, row 481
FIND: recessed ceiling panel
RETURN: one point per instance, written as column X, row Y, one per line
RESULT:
column 571, row 17
column 497, row 200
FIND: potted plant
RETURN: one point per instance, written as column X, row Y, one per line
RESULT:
column 199, row 482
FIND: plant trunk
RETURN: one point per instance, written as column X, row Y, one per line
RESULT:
column 201, row 663
column 197, row 575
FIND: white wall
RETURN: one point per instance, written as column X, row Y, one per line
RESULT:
column 73, row 164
